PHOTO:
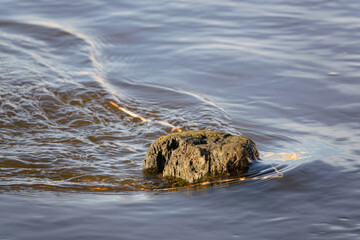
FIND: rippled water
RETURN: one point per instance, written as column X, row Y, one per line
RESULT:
column 287, row 75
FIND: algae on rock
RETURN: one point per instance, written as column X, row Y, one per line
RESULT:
column 196, row 155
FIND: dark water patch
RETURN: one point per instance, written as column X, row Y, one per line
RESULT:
column 194, row 210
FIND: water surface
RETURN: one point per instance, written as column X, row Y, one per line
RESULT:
column 284, row 74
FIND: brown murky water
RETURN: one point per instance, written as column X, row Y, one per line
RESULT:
column 286, row 75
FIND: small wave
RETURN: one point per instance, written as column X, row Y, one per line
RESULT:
column 58, row 48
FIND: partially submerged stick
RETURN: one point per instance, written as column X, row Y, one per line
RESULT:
column 132, row 114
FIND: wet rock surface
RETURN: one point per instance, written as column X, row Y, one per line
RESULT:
column 195, row 155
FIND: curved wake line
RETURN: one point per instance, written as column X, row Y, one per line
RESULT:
column 204, row 99
column 197, row 96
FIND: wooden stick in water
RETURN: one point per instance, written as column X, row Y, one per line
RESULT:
column 132, row 114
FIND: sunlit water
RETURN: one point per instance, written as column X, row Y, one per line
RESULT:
column 285, row 75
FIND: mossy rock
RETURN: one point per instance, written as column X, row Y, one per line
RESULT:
column 195, row 156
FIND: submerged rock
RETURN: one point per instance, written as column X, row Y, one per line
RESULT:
column 195, row 155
